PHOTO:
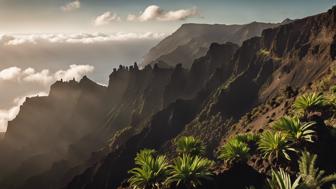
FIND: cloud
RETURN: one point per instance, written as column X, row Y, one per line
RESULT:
column 10, row 114
column 154, row 12
column 10, row 73
column 75, row 72
column 84, row 38
column 44, row 77
column 71, row 6
column 106, row 18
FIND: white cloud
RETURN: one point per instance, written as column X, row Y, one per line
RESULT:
column 75, row 72
column 71, row 6
column 154, row 12
column 84, row 38
column 44, row 77
column 106, row 18
column 10, row 73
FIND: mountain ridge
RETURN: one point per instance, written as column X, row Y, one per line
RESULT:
column 191, row 41
column 151, row 107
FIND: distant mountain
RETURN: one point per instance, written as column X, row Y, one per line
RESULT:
column 85, row 136
column 191, row 41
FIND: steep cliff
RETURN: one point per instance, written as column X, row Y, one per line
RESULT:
column 192, row 41
column 290, row 55
column 85, row 136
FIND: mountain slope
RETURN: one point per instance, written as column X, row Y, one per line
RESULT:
column 261, row 67
column 85, row 136
column 191, row 41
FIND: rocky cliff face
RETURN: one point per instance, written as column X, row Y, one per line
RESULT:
column 192, row 41
column 262, row 66
column 85, row 136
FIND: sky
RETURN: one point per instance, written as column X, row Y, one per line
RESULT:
column 42, row 41
column 27, row 16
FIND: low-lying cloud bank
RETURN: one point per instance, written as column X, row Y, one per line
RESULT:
column 44, row 77
column 31, row 62
column 83, row 38
column 33, row 83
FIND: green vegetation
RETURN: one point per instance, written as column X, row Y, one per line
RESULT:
column 283, row 141
column 150, row 172
column 282, row 180
column 248, row 138
column 274, row 145
column 309, row 102
column 333, row 89
column 264, row 52
column 190, row 145
column 296, row 131
column 234, row 151
column 189, row 171
column 312, row 177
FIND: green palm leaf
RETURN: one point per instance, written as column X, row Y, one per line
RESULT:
column 296, row 130
column 274, row 145
column 309, row 101
column 150, row 172
column 189, row 171
column 190, row 145
column 313, row 178
column 281, row 180
column 234, row 151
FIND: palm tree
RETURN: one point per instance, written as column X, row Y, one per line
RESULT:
column 281, row 180
column 190, row 145
column 189, row 171
column 309, row 102
column 234, row 151
column 312, row 177
column 296, row 130
column 150, row 172
column 248, row 138
column 274, row 145
column 142, row 157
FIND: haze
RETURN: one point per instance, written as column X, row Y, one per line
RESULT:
column 42, row 41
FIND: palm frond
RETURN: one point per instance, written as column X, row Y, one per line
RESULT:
column 296, row 130
column 281, row 180
column 308, row 102
column 190, row 145
column 150, row 172
column 234, row 151
column 312, row 177
column 189, row 171
column 274, row 145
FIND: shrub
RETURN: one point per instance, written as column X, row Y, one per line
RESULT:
column 281, row 180
column 189, row 171
column 309, row 102
column 296, row 130
column 189, row 145
column 333, row 89
column 274, row 145
column 248, row 138
column 234, row 151
column 312, row 177
column 151, row 171
column 264, row 52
